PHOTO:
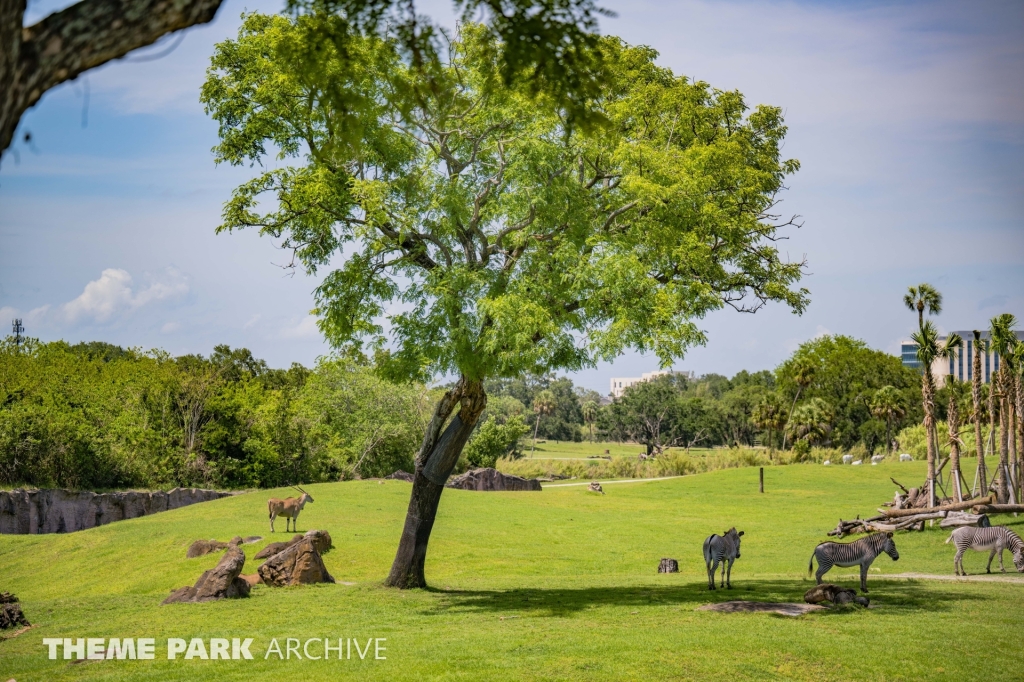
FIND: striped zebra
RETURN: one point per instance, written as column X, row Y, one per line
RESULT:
column 721, row 549
column 996, row 538
column 861, row 552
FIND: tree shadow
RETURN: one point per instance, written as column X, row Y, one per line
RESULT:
column 909, row 595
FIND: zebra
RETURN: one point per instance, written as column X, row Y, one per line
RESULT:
column 996, row 538
column 721, row 549
column 861, row 552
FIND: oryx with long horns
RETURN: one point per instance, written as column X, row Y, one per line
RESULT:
column 288, row 508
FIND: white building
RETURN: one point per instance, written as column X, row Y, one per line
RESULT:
column 960, row 365
column 620, row 384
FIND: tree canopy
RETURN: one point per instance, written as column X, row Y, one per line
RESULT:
column 479, row 234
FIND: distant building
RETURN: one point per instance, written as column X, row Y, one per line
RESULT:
column 960, row 365
column 620, row 384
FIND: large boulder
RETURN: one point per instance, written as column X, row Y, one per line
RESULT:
column 299, row 564
column 203, row 547
column 220, row 582
column 400, row 476
column 492, row 479
column 321, row 540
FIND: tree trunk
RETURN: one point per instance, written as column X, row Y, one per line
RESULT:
column 35, row 58
column 888, row 434
column 434, row 464
column 1003, row 489
column 976, row 398
column 929, row 421
column 785, row 429
column 1019, row 392
column 954, row 446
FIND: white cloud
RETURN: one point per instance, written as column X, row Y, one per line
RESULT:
column 305, row 329
column 112, row 295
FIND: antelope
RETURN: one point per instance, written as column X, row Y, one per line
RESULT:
column 288, row 508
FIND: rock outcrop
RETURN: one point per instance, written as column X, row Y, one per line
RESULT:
column 399, row 476
column 492, row 479
column 220, row 582
column 299, row 564
column 321, row 540
column 204, row 547
column 64, row 511
column 10, row 612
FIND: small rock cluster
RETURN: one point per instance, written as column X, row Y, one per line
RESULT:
column 296, row 562
column 10, row 612
column 203, row 547
column 489, row 479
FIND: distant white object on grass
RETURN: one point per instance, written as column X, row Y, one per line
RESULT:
column 828, row 462
column 847, row 459
column 857, row 463
column 875, row 459
column 906, row 458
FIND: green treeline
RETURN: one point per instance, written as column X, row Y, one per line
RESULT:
column 93, row 416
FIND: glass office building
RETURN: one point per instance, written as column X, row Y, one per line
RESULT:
column 961, row 365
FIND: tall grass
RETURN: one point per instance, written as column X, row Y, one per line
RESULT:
column 673, row 463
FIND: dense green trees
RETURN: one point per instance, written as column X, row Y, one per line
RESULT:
column 98, row 416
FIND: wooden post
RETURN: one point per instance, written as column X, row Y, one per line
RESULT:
column 762, row 479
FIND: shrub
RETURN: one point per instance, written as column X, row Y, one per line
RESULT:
column 494, row 440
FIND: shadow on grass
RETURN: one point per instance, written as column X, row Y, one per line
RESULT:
column 903, row 595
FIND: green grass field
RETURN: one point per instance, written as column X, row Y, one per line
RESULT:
column 555, row 585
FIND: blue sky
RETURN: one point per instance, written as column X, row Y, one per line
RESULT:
column 908, row 119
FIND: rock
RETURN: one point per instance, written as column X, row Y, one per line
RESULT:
column 11, row 616
column 299, row 564
column 595, row 487
column 827, row 592
column 875, row 459
column 275, row 547
column 65, row 511
column 400, row 476
column 220, row 582
column 668, row 566
column 204, row 547
column 321, row 540
column 492, row 479
column 856, row 462
column 236, row 541
column 827, row 462
column 251, row 539
column 906, row 458
column 10, row 612
column 781, row 608
column 847, row 459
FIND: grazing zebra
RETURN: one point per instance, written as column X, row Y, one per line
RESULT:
column 996, row 538
column 861, row 552
column 721, row 549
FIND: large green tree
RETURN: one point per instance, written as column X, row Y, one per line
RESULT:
column 469, row 231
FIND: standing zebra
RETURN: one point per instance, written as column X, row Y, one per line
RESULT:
column 996, row 538
column 861, row 552
column 721, row 549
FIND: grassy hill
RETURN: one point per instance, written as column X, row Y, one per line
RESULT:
column 555, row 585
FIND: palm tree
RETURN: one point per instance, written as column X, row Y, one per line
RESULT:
column 925, row 298
column 812, row 421
column 976, row 401
column 770, row 414
column 928, row 350
column 956, row 395
column 590, row 409
column 1018, row 381
column 887, row 403
column 803, row 375
column 1004, row 341
column 543, row 403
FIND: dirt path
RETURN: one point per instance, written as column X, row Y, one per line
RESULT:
column 545, row 486
column 982, row 578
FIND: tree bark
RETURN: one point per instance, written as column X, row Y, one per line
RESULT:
column 434, row 464
column 953, row 421
column 929, row 421
column 1003, row 488
column 35, row 58
column 979, row 446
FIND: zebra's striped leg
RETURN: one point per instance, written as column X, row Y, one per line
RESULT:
column 864, row 578
column 988, row 569
column 822, row 570
column 728, row 580
column 1001, row 567
column 711, row 576
column 958, row 562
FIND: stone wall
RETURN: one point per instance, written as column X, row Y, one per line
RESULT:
column 64, row 511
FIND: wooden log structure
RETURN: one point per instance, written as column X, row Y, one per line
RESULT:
column 956, row 519
column 998, row 508
column 954, row 506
